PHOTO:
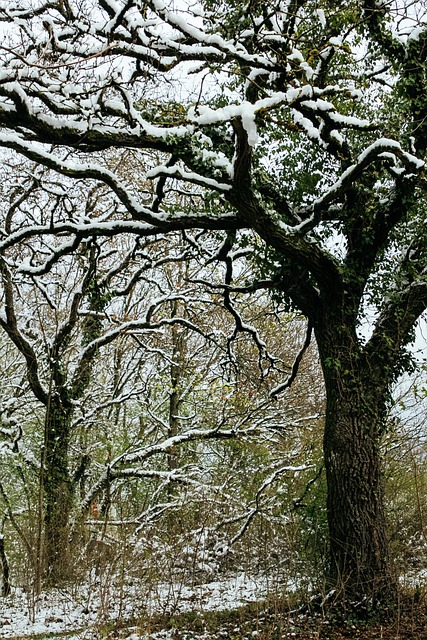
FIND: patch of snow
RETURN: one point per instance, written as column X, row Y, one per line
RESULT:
column 416, row 33
column 81, row 608
column 322, row 18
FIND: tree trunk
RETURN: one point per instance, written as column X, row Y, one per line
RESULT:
column 58, row 494
column 359, row 556
column 5, row 569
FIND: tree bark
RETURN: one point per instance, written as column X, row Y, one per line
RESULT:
column 58, row 494
column 360, row 567
column 5, row 569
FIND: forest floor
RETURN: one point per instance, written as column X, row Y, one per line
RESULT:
column 238, row 609
column 274, row 623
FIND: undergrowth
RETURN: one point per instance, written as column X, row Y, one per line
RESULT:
column 279, row 618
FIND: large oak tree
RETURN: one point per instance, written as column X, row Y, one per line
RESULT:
column 301, row 121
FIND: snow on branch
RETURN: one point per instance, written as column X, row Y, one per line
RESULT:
column 121, row 462
column 80, row 170
column 179, row 173
column 383, row 149
column 268, row 482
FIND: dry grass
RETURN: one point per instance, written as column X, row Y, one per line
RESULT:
column 275, row 621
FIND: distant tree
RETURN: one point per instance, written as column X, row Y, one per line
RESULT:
column 59, row 325
column 302, row 126
column 203, row 471
column 118, row 380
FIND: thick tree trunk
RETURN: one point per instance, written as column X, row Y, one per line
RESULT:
column 58, row 495
column 360, row 563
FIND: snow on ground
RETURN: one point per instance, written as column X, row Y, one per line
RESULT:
column 80, row 610
column 83, row 608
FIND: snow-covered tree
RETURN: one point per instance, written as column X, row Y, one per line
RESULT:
column 60, row 323
column 300, row 126
column 120, row 368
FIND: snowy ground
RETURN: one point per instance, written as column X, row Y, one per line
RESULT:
column 81, row 610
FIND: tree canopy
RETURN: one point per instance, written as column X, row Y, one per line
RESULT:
column 302, row 122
